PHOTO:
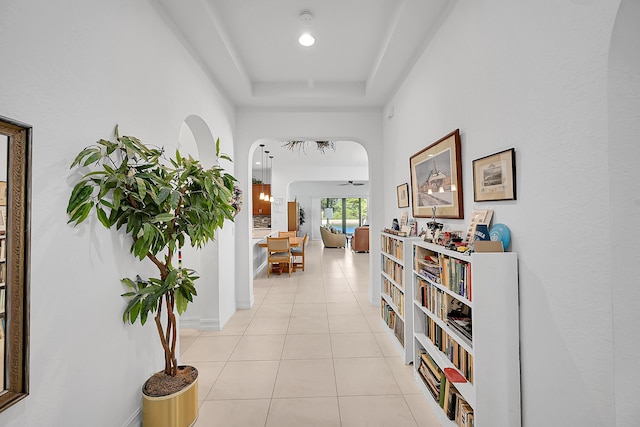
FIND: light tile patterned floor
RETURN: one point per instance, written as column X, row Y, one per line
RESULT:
column 311, row 352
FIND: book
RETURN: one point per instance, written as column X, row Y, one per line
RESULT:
column 454, row 376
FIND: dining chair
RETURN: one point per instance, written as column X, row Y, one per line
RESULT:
column 286, row 234
column 298, row 252
column 279, row 252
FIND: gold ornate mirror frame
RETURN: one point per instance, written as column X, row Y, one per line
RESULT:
column 16, row 310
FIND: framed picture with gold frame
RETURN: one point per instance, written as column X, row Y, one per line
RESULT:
column 436, row 179
column 494, row 177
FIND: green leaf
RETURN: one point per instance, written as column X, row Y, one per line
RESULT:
column 82, row 155
column 92, row 158
column 130, row 283
column 117, row 195
column 81, row 213
column 142, row 188
column 80, row 194
column 163, row 217
column 181, row 302
column 103, row 218
column 133, row 314
column 163, row 194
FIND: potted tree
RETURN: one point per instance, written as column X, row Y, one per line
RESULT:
column 162, row 203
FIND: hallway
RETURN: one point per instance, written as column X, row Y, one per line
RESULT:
column 311, row 352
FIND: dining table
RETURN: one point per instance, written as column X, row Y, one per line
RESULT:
column 293, row 241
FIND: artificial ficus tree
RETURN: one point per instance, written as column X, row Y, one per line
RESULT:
column 161, row 203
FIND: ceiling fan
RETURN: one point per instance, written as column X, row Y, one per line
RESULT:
column 352, row 183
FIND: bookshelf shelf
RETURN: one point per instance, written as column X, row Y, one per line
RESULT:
column 465, row 322
column 396, row 290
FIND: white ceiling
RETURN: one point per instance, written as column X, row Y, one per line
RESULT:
column 249, row 48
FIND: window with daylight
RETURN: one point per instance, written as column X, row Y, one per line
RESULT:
column 344, row 214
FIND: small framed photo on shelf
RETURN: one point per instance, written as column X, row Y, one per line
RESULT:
column 479, row 216
column 436, row 179
column 494, row 177
column 403, row 195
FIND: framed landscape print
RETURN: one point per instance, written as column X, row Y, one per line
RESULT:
column 494, row 177
column 436, row 179
column 403, row 195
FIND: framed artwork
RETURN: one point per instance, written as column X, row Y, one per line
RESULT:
column 436, row 179
column 403, row 195
column 494, row 177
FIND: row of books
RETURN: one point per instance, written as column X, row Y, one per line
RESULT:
column 393, row 270
column 393, row 321
column 457, row 354
column 396, row 295
column 393, row 247
column 444, row 392
column 456, row 276
column 428, row 269
column 427, row 263
column 432, row 298
column 446, row 308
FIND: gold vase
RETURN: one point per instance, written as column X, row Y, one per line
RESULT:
column 179, row 409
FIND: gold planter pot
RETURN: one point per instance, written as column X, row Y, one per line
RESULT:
column 175, row 410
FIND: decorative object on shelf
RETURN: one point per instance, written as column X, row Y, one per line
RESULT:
column 479, row 216
column 436, row 178
column 481, row 232
column 395, row 224
column 501, row 233
column 494, row 177
column 434, row 227
column 402, row 192
column 132, row 184
column 322, row 146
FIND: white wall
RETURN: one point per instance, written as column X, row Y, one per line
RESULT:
column 362, row 126
column 624, row 128
column 533, row 76
column 73, row 70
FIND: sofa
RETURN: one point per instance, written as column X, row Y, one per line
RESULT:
column 360, row 239
column 331, row 239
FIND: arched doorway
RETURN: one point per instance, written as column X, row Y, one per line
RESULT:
column 214, row 303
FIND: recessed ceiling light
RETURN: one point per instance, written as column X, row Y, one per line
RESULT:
column 306, row 40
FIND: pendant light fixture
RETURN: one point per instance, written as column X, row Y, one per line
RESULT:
column 271, row 179
column 262, row 172
column 266, row 179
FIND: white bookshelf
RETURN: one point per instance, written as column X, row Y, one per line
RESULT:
column 396, row 290
column 494, row 362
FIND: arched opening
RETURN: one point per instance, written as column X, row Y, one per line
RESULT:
column 304, row 174
column 209, row 309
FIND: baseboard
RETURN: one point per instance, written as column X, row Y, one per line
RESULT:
column 244, row 305
column 134, row 420
column 201, row 324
